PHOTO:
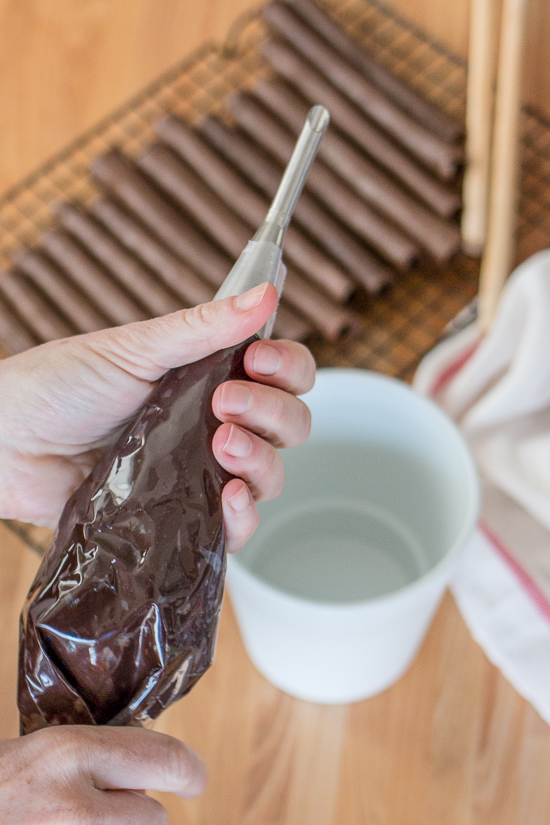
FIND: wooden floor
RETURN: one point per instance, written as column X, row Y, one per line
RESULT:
column 451, row 743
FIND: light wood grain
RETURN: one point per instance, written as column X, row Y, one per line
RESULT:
column 479, row 120
column 66, row 63
column 448, row 23
column 18, row 566
column 450, row 743
column 498, row 257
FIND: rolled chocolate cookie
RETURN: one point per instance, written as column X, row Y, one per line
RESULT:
column 120, row 177
column 240, row 153
column 147, row 248
column 137, row 279
column 444, row 158
column 290, row 325
column 173, row 272
column 40, row 317
column 14, row 333
column 213, row 168
column 60, row 290
column 328, row 318
column 406, row 98
column 440, row 237
column 387, row 239
column 224, row 219
column 92, row 279
column 346, row 117
column 233, row 234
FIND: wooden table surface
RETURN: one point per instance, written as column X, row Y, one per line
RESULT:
column 451, row 743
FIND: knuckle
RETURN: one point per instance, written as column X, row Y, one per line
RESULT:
column 308, row 372
column 177, row 762
column 301, row 368
column 290, row 421
column 72, row 809
column 305, row 422
column 248, row 532
column 198, row 319
column 156, row 813
column 84, row 812
column 123, row 345
column 279, row 414
column 254, row 522
column 273, row 475
column 238, row 536
column 63, row 739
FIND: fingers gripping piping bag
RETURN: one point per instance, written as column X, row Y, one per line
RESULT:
column 121, row 619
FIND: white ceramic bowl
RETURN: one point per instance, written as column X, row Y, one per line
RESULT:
column 334, row 593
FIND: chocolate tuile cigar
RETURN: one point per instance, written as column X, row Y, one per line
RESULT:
column 13, row 331
column 290, row 325
column 405, row 97
column 137, row 279
column 265, row 174
column 172, row 271
column 232, row 233
column 331, row 320
column 441, row 238
column 444, row 158
column 60, row 290
column 119, row 176
column 349, row 120
column 223, row 220
column 145, row 246
column 251, row 207
column 41, row 318
column 92, row 279
column 387, row 239
column 189, row 192
column 213, row 169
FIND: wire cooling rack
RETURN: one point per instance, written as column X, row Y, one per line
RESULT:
column 398, row 326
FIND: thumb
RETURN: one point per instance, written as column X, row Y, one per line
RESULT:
column 147, row 349
column 135, row 759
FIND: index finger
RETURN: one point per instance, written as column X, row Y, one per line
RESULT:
column 286, row 365
column 135, row 758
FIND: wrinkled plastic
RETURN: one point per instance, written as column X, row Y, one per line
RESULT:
column 121, row 619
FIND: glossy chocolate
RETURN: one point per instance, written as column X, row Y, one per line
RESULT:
column 121, row 619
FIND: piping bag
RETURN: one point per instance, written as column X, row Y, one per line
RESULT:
column 122, row 616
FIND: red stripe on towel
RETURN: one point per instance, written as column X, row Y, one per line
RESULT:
column 529, row 585
column 452, row 369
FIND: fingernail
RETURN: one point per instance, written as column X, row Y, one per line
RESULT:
column 267, row 359
column 240, row 500
column 238, row 443
column 252, row 298
column 235, row 399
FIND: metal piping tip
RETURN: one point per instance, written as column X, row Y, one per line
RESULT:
column 318, row 118
column 280, row 211
column 261, row 260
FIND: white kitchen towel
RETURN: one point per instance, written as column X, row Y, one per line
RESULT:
column 507, row 614
column 498, row 390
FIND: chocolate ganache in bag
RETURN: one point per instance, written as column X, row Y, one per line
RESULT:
column 121, row 619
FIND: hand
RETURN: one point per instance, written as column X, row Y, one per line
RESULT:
column 85, row 775
column 63, row 402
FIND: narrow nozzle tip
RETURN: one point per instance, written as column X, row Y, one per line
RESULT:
column 318, row 118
